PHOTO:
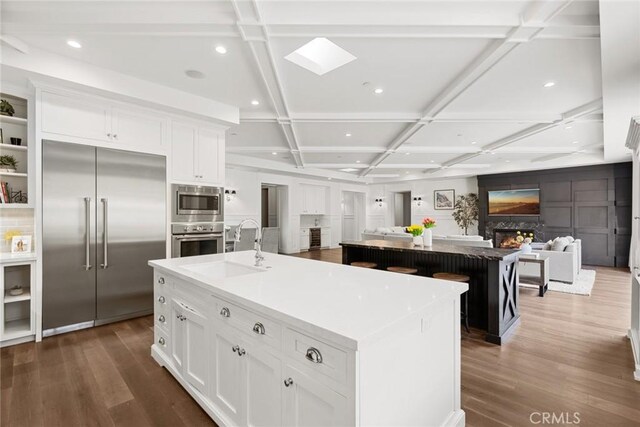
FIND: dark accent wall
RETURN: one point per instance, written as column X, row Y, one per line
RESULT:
column 592, row 203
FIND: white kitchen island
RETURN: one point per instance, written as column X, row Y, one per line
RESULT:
column 299, row 342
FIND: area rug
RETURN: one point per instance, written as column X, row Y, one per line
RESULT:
column 582, row 286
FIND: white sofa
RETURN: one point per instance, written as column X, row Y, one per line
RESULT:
column 398, row 234
column 564, row 265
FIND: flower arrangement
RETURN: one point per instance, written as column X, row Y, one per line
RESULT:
column 415, row 230
column 10, row 234
column 524, row 237
column 428, row 222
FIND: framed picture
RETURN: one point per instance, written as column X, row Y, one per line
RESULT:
column 522, row 202
column 444, row 199
column 20, row 244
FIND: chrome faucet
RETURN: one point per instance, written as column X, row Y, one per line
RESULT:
column 258, row 244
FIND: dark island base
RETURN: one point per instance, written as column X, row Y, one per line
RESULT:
column 493, row 288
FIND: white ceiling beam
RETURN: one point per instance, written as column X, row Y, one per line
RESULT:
column 15, row 43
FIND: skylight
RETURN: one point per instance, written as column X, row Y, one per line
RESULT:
column 320, row 55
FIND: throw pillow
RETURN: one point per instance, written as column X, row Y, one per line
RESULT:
column 570, row 248
column 547, row 246
column 559, row 244
column 570, row 239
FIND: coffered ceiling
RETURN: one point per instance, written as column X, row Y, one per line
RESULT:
column 463, row 82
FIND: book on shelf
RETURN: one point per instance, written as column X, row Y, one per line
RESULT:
column 5, row 192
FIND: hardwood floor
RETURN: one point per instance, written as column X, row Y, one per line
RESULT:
column 570, row 354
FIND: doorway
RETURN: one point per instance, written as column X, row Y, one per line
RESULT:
column 402, row 208
column 269, row 206
column 274, row 214
column 353, row 215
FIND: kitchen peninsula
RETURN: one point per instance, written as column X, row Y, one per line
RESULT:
column 303, row 342
column 493, row 289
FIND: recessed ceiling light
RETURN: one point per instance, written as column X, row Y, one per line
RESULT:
column 474, row 142
column 349, row 170
column 378, row 91
column 255, row 102
column 347, row 134
column 507, row 161
column 221, row 49
column 320, row 56
column 329, row 178
column 194, row 74
column 407, row 153
column 357, row 161
column 568, row 127
column 274, row 153
column 431, row 161
column 74, row 44
column 492, row 152
column 549, row 84
column 574, row 142
column 407, row 172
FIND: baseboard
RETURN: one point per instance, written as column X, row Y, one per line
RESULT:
column 634, row 336
column 456, row 419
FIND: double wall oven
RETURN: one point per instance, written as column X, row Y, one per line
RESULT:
column 197, row 220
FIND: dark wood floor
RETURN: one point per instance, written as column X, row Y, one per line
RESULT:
column 570, row 354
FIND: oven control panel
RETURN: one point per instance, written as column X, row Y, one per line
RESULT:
column 195, row 228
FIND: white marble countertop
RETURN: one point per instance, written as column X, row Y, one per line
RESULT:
column 6, row 257
column 353, row 303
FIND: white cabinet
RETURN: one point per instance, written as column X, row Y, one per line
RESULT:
column 226, row 369
column 189, row 335
column 93, row 120
column 313, row 200
column 304, row 239
column 262, row 387
column 325, row 237
column 307, row 402
column 197, row 154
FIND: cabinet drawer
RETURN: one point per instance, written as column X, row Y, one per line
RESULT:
column 253, row 324
column 161, row 339
column 324, row 358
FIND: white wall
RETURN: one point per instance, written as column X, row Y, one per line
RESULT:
column 384, row 216
column 247, row 201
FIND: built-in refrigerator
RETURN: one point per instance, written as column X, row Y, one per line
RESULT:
column 103, row 218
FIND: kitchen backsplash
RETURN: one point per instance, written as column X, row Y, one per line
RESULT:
column 310, row 221
column 20, row 220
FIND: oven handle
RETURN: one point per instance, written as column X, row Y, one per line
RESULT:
column 192, row 238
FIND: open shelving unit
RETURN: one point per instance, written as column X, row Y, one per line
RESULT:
column 17, row 311
column 15, row 126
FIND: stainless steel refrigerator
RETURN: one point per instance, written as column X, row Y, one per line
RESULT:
column 103, row 214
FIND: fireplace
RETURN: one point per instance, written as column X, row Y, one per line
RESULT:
column 506, row 237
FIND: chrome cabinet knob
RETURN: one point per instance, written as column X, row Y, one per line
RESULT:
column 161, row 318
column 161, row 299
column 161, row 280
column 108, row 135
column 288, row 382
column 161, row 341
column 235, row 348
column 313, row 355
column 258, row 328
column 241, row 352
column 225, row 312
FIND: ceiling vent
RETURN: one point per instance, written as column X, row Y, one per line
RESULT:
column 320, row 55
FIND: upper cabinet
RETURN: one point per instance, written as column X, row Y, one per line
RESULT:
column 197, row 154
column 313, row 200
column 95, row 121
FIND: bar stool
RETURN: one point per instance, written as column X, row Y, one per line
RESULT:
column 364, row 264
column 403, row 270
column 462, row 279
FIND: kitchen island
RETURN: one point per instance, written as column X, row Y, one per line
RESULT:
column 493, row 289
column 301, row 342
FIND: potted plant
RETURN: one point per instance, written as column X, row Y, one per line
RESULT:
column 428, row 224
column 416, row 231
column 466, row 211
column 8, row 163
column 6, row 109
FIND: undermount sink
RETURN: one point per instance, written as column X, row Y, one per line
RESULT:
column 222, row 269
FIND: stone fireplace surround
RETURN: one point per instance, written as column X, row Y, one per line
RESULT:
column 536, row 228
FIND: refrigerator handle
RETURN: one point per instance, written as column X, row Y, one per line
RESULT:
column 105, row 232
column 87, row 239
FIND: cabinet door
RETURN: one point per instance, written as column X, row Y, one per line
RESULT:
column 183, row 152
column 308, row 402
column 321, row 200
column 210, row 156
column 138, row 129
column 263, row 388
column 226, row 371
column 304, row 240
column 196, row 338
column 177, row 335
column 76, row 117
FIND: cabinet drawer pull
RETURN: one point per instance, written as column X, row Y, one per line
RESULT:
column 161, row 280
column 241, row 352
column 225, row 312
column 161, row 299
column 161, row 318
column 313, row 355
column 235, row 348
column 258, row 328
column 161, row 341
column 288, row 382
